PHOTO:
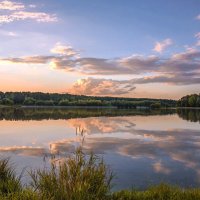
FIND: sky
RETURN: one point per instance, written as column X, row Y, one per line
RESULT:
column 129, row 48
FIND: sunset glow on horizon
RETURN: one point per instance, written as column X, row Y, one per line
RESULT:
column 132, row 48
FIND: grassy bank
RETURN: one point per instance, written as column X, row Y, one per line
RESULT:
column 79, row 177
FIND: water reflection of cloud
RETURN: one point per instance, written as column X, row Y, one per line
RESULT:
column 177, row 145
column 24, row 150
column 102, row 124
column 160, row 168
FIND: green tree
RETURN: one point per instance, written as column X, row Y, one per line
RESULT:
column 192, row 100
column 155, row 105
column 64, row 102
column 7, row 101
column 29, row 101
column 198, row 101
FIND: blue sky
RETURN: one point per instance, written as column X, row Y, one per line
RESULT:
column 125, row 35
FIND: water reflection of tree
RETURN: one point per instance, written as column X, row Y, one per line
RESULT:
column 192, row 115
column 55, row 114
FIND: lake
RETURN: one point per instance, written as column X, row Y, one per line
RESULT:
column 142, row 147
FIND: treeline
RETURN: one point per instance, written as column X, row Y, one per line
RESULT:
column 192, row 100
column 55, row 99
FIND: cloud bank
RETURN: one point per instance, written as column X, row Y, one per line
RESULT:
column 179, row 69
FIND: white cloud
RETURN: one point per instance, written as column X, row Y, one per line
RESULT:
column 9, row 5
column 23, row 15
column 32, row 6
column 161, row 46
column 198, row 17
column 12, row 34
column 198, row 43
column 8, row 33
column 17, row 12
column 24, row 150
column 64, row 50
column 160, row 168
column 197, row 35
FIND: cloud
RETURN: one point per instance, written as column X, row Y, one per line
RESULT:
column 164, row 149
column 102, row 125
column 12, row 34
column 18, row 12
column 175, row 145
column 8, row 33
column 198, row 43
column 30, row 59
column 24, row 150
column 179, row 79
column 109, row 87
column 160, row 168
column 24, row 15
column 189, row 55
column 101, row 87
column 179, row 69
column 155, row 145
column 197, row 35
column 198, row 17
column 64, row 50
column 104, row 66
column 137, row 64
column 32, row 6
column 9, row 5
column 161, row 46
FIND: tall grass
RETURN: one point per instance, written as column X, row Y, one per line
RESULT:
column 9, row 182
column 160, row 192
column 79, row 177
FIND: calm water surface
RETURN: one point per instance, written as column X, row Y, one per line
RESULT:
column 141, row 147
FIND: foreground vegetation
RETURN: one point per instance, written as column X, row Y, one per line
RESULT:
column 79, row 177
column 55, row 99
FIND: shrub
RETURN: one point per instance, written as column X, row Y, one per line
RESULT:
column 29, row 101
column 44, row 103
column 63, row 102
column 7, row 101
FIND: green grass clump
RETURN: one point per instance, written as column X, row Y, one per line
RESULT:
column 77, row 178
column 9, row 182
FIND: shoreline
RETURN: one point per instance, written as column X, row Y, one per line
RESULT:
column 98, row 107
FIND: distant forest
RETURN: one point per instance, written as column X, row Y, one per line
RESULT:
column 55, row 99
column 192, row 100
